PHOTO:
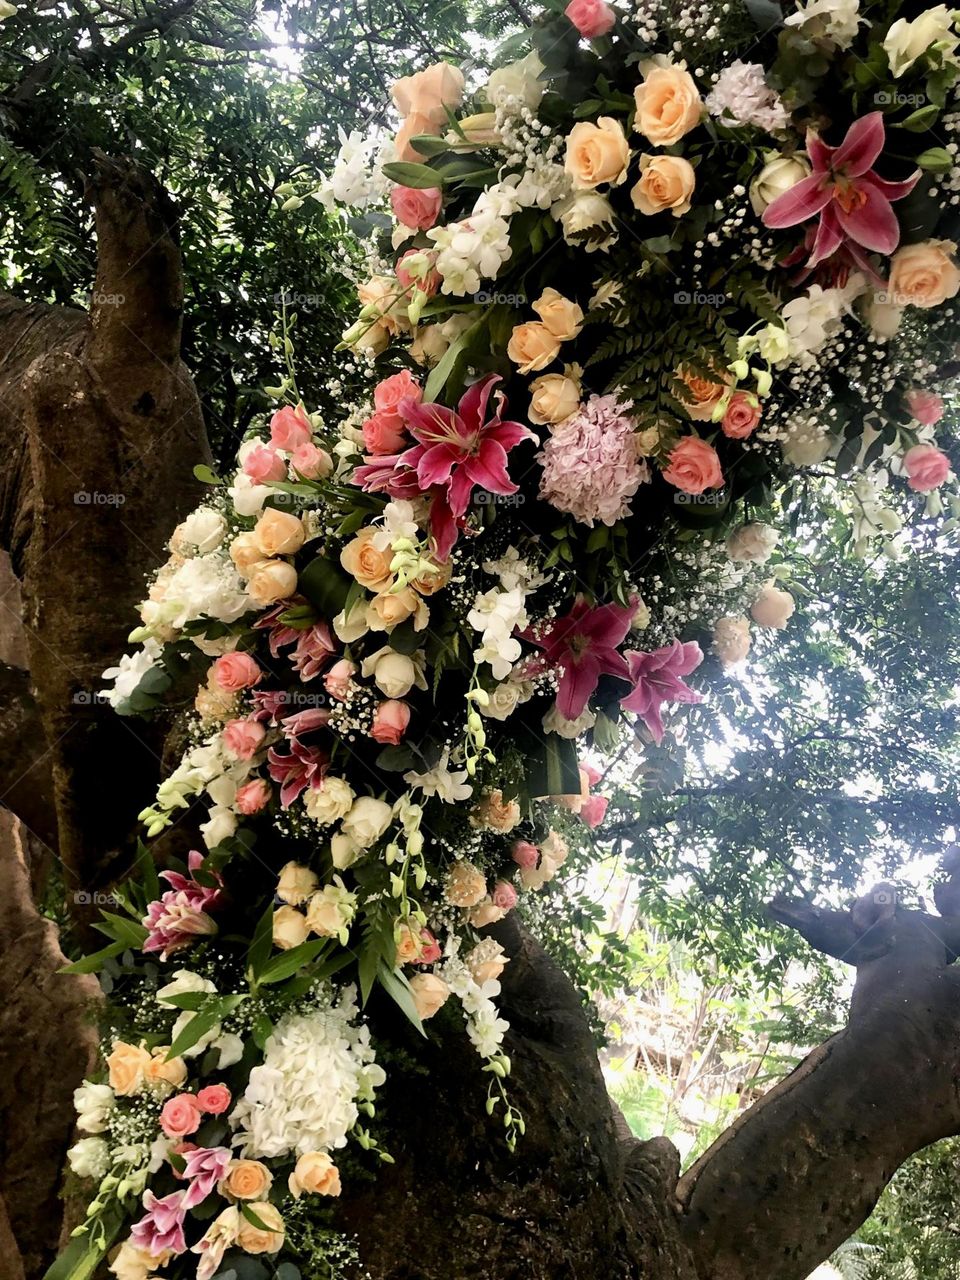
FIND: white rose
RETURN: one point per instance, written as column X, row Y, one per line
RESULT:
column 331, row 803
column 752, row 542
column 585, row 211
column 367, row 821
column 554, row 722
column 905, row 42
column 203, row 531
column 248, row 498
column 343, row 851
column 352, row 628
column 806, row 447
column 393, row 673
column 882, row 317
column 89, row 1158
column 517, row 80
column 93, row 1103
column 219, row 826
column 296, row 884
column 503, row 700
column 777, row 176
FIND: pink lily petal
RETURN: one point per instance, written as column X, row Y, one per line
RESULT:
column 443, row 525
column 892, row 190
column 510, row 434
column 872, row 224
column 459, row 490
column 819, row 152
column 489, row 468
column 860, row 148
column 803, row 201
column 576, row 685
column 828, row 239
column 435, row 464
column 473, row 405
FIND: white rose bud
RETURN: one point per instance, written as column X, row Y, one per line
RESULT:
column 331, row 802
column 367, row 821
column 776, row 177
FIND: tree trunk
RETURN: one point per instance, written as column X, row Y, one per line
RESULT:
column 98, row 408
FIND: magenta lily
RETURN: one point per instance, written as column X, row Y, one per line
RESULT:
column 853, row 204
column 656, row 678
column 582, row 645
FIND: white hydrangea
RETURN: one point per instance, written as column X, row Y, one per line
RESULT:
column 742, row 96
column 89, row 1158
column 93, row 1104
column 303, row 1096
column 496, row 615
column 129, row 671
column 201, row 587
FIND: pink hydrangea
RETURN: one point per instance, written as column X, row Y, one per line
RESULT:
column 590, row 465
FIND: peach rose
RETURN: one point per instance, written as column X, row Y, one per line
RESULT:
column 430, row 994
column 382, row 300
column 668, row 105
column 242, row 738
column 296, row 884
column 253, row 796
column 289, row 428
column 493, row 813
column 486, row 912
column 245, row 1180
column 265, row 1239
column 390, row 721
column 270, row 581
column 363, row 561
column 338, row 681
column 417, row 269
column 924, row 275
column 486, row 961
column 432, row 580
column 278, row 533
column 694, row 466
column 597, row 153
column 926, row 467
column 563, row 318
column 666, row 182
column 214, row 1099
column 731, row 640
column 127, row 1064
column 772, row 607
column 290, row 928
column 465, row 886
column 245, row 553
column 553, row 397
column 416, row 208
column 532, row 346
column 383, row 434
column 316, row 1174
column 236, row 671
column 310, row 462
column 741, row 416
column 704, row 394
column 422, row 100
column 388, row 609
column 160, row 1071
column 390, row 392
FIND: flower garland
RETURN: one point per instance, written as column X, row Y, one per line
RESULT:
column 631, row 287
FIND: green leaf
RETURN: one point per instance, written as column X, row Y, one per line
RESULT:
column 201, row 1023
column 444, row 367
column 146, row 871
column 920, row 120
column 122, row 930
column 80, row 1258
column 288, row 962
column 935, row 160
column 260, row 943
column 398, row 989
column 553, row 769
column 405, row 638
column 325, row 585
column 419, row 176
column 205, row 474
column 94, row 962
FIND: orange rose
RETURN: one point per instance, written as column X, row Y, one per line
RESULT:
column 562, row 317
column 704, row 394
column 314, row 1173
column 159, row 1071
column 924, row 275
column 666, row 182
column 532, row 347
column 363, row 561
column 265, row 1239
column 422, row 100
column 597, row 153
column 278, row 533
column 668, row 105
column 388, row 609
column 433, row 580
column 246, row 1180
column 127, row 1065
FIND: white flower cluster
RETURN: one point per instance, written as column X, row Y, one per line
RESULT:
column 741, row 95
column 129, row 671
column 833, row 20
column 356, row 179
column 470, row 251
column 817, row 316
column 210, row 768
column 303, row 1096
column 485, row 1027
column 186, row 982
column 497, row 615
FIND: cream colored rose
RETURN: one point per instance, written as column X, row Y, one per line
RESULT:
column 668, row 105
column 563, row 318
column 666, row 182
column 343, row 851
column 778, row 175
column 430, row 993
column 201, row 532
column 924, row 275
column 553, row 397
column 704, row 394
column 289, row 928
column 367, row 821
column 907, row 41
column 127, row 1064
column 393, row 673
column 486, row 961
column 532, row 346
column 245, row 553
column 773, row 607
column 731, row 640
column 493, row 813
column 172, row 1074
column 504, row 699
column 388, row 609
column 486, row 912
column 597, row 153
column 245, row 1180
column 363, row 561
column 296, row 884
column 465, row 886
column 331, row 802
column 271, row 580
column 265, row 1239
column 584, row 213
column 278, row 533
column 429, row 92
column 883, row 318
column 316, row 1174
column 752, row 542
column 409, row 945
column 133, row 1263
column 518, row 80
column 480, row 130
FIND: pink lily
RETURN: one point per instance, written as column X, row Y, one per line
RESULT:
column 852, row 202
column 582, row 645
column 656, row 678
column 315, row 647
column 303, row 767
column 178, row 917
column 204, row 1167
column 161, row 1227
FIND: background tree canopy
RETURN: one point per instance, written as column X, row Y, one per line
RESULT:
column 831, row 763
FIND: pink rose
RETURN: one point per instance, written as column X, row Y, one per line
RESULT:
column 236, row 671
column 390, row 721
column 694, row 466
column 592, row 18
column 383, row 434
column 214, row 1099
column 311, row 462
column 253, row 796
column 388, row 394
column 180, row 1116
column 926, row 467
column 504, row 895
column 418, row 210
column 428, row 281
column 593, row 810
column 339, row 679
column 593, row 774
column 430, row 951
column 289, row 428
column 243, row 737
column 742, row 415
column 524, row 853
column 926, row 406
column 263, row 463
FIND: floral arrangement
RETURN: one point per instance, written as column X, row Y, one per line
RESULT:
column 621, row 297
